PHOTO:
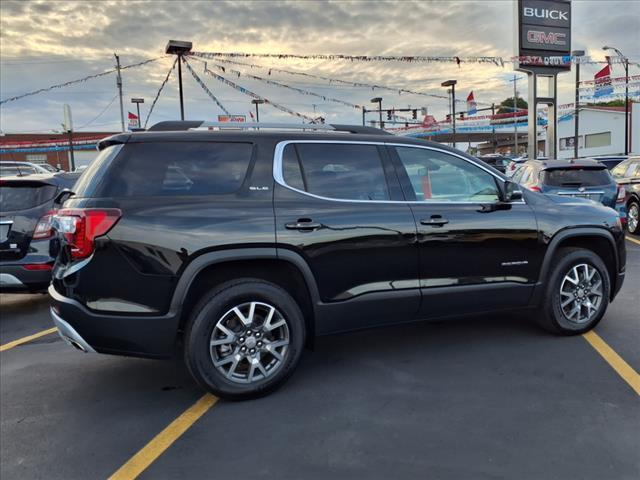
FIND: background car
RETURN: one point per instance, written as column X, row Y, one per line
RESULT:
column 513, row 165
column 21, row 168
column 585, row 178
column 497, row 161
column 610, row 161
column 627, row 176
column 27, row 206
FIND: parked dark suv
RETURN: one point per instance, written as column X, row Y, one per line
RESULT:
column 240, row 246
column 27, row 205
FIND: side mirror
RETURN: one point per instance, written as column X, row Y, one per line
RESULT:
column 63, row 195
column 512, row 192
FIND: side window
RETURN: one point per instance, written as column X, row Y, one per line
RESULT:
column 526, row 175
column 518, row 174
column 340, row 171
column 177, row 168
column 291, row 171
column 439, row 177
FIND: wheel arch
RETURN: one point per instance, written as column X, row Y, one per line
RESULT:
column 598, row 240
column 283, row 268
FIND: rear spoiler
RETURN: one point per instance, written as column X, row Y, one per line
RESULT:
column 118, row 139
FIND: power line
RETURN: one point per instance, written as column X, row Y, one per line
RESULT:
column 164, row 82
column 100, row 114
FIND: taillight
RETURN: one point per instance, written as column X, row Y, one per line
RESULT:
column 535, row 188
column 622, row 194
column 81, row 226
column 44, row 227
column 37, row 267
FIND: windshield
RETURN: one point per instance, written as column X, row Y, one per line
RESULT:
column 22, row 197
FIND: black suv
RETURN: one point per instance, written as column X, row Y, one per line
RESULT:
column 240, row 246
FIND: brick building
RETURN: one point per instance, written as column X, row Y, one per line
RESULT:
column 51, row 148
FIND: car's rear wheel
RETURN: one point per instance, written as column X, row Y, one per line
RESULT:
column 244, row 339
column 633, row 212
column 577, row 293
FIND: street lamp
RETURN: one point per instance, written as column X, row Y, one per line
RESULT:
column 378, row 100
column 180, row 48
column 626, row 96
column 452, row 84
column 256, row 102
column 138, row 101
column 576, row 110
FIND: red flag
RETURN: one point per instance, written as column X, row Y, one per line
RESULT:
column 251, row 115
column 472, row 107
column 133, row 120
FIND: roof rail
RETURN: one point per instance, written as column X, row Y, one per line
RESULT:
column 177, row 125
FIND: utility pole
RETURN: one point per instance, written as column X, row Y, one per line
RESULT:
column 68, row 126
column 515, row 110
column 576, row 109
column 452, row 84
column 364, row 111
column 493, row 130
column 119, row 83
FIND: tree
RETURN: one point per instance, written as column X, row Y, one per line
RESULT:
column 506, row 106
column 611, row 103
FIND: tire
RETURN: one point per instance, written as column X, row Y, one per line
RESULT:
column 553, row 315
column 224, row 314
column 633, row 219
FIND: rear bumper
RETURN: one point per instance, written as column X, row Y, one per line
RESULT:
column 69, row 335
column 15, row 278
column 130, row 335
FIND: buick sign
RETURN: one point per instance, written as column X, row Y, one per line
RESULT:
column 544, row 33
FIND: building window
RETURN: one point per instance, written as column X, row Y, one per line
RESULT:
column 37, row 157
column 598, row 140
column 568, row 143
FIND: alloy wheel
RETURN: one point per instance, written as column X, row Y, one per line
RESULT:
column 250, row 342
column 581, row 293
column 632, row 219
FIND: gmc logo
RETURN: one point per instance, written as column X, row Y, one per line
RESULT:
column 544, row 13
column 551, row 38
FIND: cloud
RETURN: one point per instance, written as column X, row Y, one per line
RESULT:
column 43, row 43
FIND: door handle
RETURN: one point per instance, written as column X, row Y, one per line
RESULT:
column 435, row 221
column 303, row 224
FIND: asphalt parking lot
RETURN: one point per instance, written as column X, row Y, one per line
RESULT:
column 480, row 398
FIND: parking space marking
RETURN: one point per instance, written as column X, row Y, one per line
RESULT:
column 633, row 240
column 616, row 362
column 20, row 341
column 152, row 450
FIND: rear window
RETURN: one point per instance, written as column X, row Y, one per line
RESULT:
column 176, row 168
column 581, row 177
column 23, row 197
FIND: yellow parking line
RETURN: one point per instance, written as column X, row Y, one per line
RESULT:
column 633, row 240
column 22, row 340
column 616, row 362
column 152, row 450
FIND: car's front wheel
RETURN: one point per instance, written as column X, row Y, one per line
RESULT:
column 577, row 293
column 244, row 339
column 633, row 212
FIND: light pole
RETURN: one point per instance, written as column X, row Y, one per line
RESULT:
column 138, row 101
column 576, row 110
column 256, row 102
column 378, row 100
column 180, row 48
column 626, row 96
column 452, row 84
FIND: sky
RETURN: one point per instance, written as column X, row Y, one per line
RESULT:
column 43, row 43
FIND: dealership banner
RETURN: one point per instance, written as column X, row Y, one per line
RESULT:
column 134, row 121
column 602, row 81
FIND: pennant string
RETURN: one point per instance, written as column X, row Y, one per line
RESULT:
column 204, row 87
column 80, row 80
column 255, row 95
column 164, row 82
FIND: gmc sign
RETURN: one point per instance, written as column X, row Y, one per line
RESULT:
column 544, row 31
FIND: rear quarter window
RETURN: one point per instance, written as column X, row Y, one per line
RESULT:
column 23, row 197
column 581, row 177
column 177, row 168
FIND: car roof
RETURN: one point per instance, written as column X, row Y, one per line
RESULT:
column 568, row 163
column 58, row 178
column 267, row 135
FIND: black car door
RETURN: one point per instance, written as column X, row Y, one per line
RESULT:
column 476, row 252
column 339, row 206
